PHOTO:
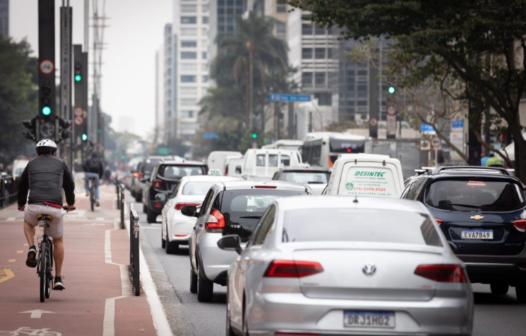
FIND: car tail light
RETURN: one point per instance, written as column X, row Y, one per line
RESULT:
column 180, row 236
column 520, row 225
column 178, row 206
column 157, row 204
column 215, row 221
column 292, row 269
column 136, row 174
column 157, row 184
column 265, row 187
column 441, row 273
column 226, row 171
column 439, row 221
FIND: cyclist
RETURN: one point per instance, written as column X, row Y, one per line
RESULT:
column 93, row 168
column 43, row 178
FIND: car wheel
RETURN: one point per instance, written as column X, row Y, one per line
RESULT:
column 193, row 281
column 499, row 288
column 151, row 217
column 171, row 247
column 229, row 331
column 521, row 293
column 245, row 324
column 163, row 240
column 138, row 197
column 144, row 208
column 205, row 288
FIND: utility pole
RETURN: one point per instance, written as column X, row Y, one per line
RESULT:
column 66, row 18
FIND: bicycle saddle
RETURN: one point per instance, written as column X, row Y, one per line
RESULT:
column 44, row 217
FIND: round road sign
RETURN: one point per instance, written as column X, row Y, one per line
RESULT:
column 436, row 142
column 78, row 112
column 373, row 122
column 46, row 67
column 391, row 110
column 84, row 114
column 78, row 121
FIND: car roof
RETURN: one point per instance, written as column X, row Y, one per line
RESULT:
column 209, row 178
column 246, row 184
column 182, row 163
column 350, row 202
column 300, row 168
column 467, row 171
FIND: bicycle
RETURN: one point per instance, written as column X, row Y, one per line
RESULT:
column 45, row 257
column 92, row 198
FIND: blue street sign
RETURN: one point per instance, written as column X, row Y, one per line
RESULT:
column 289, row 98
column 457, row 123
column 426, row 129
column 210, row 136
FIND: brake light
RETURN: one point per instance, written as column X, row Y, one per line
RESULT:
column 292, row 269
column 180, row 236
column 349, row 150
column 442, row 273
column 520, row 225
column 439, row 221
column 265, row 187
column 157, row 204
column 136, row 174
column 226, row 171
column 157, row 184
column 215, row 221
column 178, row 206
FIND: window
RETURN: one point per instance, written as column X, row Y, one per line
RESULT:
column 188, row 79
column 188, row 8
column 188, row 67
column 205, row 78
column 204, row 54
column 306, row 177
column 306, row 79
column 306, row 29
column 188, row 55
column 205, row 8
column 188, row 101
column 188, row 19
column 206, row 203
column 176, row 172
column 320, row 78
column 197, row 188
column 185, row 90
column 188, row 31
column 187, row 114
column 320, row 53
column 188, row 44
column 306, row 53
column 281, row 6
column 281, row 28
column 263, row 227
column 205, row 19
column 324, row 99
column 320, row 30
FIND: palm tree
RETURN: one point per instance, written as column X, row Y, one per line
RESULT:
column 252, row 47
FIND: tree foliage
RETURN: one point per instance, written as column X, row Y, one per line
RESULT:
column 18, row 96
column 480, row 42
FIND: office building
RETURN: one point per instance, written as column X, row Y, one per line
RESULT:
column 223, row 14
column 169, row 87
column 159, row 96
column 276, row 9
column 4, row 18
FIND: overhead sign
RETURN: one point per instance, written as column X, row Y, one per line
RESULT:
column 289, row 98
column 426, row 129
column 436, row 142
column 46, row 67
column 210, row 136
column 456, row 124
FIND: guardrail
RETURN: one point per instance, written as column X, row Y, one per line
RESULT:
column 134, row 250
column 8, row 190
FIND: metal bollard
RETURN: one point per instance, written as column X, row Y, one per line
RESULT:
column 122, row 205
column 118, row 192
column 134, row 251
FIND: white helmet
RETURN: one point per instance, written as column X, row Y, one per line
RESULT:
column 46, row 143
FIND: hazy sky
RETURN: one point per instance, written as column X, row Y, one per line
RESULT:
column 135, row 32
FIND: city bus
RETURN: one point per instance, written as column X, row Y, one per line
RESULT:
column 322, row 149
column 285, row 144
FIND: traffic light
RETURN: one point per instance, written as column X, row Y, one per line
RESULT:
column 99, row 131
column 78, row 72
column 84, row 137
column 45, row 100
column 254, row 135
column 391, row 89
column 31, row 133
column 64, row 131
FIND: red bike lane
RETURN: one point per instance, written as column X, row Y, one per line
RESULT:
column 98, row 298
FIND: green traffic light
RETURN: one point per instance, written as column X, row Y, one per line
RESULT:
column 99, row 131
column 84, row 137
column 254, row 136
column 78, row 78
column 46, row 110
column 391, row 89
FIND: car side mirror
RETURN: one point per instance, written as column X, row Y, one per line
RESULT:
column 230, row 243
column 189, row 210
column 160, row 197
column 238, row 170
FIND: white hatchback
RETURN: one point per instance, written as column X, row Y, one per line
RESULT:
column 191, row 190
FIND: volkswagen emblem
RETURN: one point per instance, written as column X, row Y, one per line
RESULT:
column 369, row 269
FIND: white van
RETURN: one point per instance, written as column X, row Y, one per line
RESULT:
column 366, row 175
column 217, row 160
column 234, row 166
column 261, row 164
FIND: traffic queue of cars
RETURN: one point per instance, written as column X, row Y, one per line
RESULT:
column 356, row 260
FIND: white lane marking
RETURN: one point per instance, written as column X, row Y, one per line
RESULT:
column 100, row 218
column 11, row 219
column 37, row 313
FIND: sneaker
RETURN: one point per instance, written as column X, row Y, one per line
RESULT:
column 32, row 257
column 58, row 284
column 98, row 204
column 87, row 194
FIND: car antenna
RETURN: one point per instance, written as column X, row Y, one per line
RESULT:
column 355, row 199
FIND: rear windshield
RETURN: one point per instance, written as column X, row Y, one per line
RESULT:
column 346, row 146
column 305, row 177
column 149, row 165
column 462, row 195
column 197, row 188
column 351, row 225
column 176, row 172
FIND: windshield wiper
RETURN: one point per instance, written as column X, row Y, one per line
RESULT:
column 315, row 182
column 466, row 205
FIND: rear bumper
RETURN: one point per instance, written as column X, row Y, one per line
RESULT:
column 297, row 313
column 488, row 269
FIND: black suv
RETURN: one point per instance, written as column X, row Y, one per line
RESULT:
column 482, row 212
column 165, row 177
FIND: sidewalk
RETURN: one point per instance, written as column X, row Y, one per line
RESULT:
column 98, row 298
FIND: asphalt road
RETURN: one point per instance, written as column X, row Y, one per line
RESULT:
column 494, row 315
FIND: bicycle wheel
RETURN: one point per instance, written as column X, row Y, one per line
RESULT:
column 49, row 268
column 42, row 272
column 92, row 196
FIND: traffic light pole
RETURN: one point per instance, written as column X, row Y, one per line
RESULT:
column 66, row 15
column 80, row 106
column 46, row 125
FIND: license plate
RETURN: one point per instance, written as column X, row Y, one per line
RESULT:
column 476, row 234
column 368, row 319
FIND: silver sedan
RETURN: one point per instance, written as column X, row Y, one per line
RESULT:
column 345, row 266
